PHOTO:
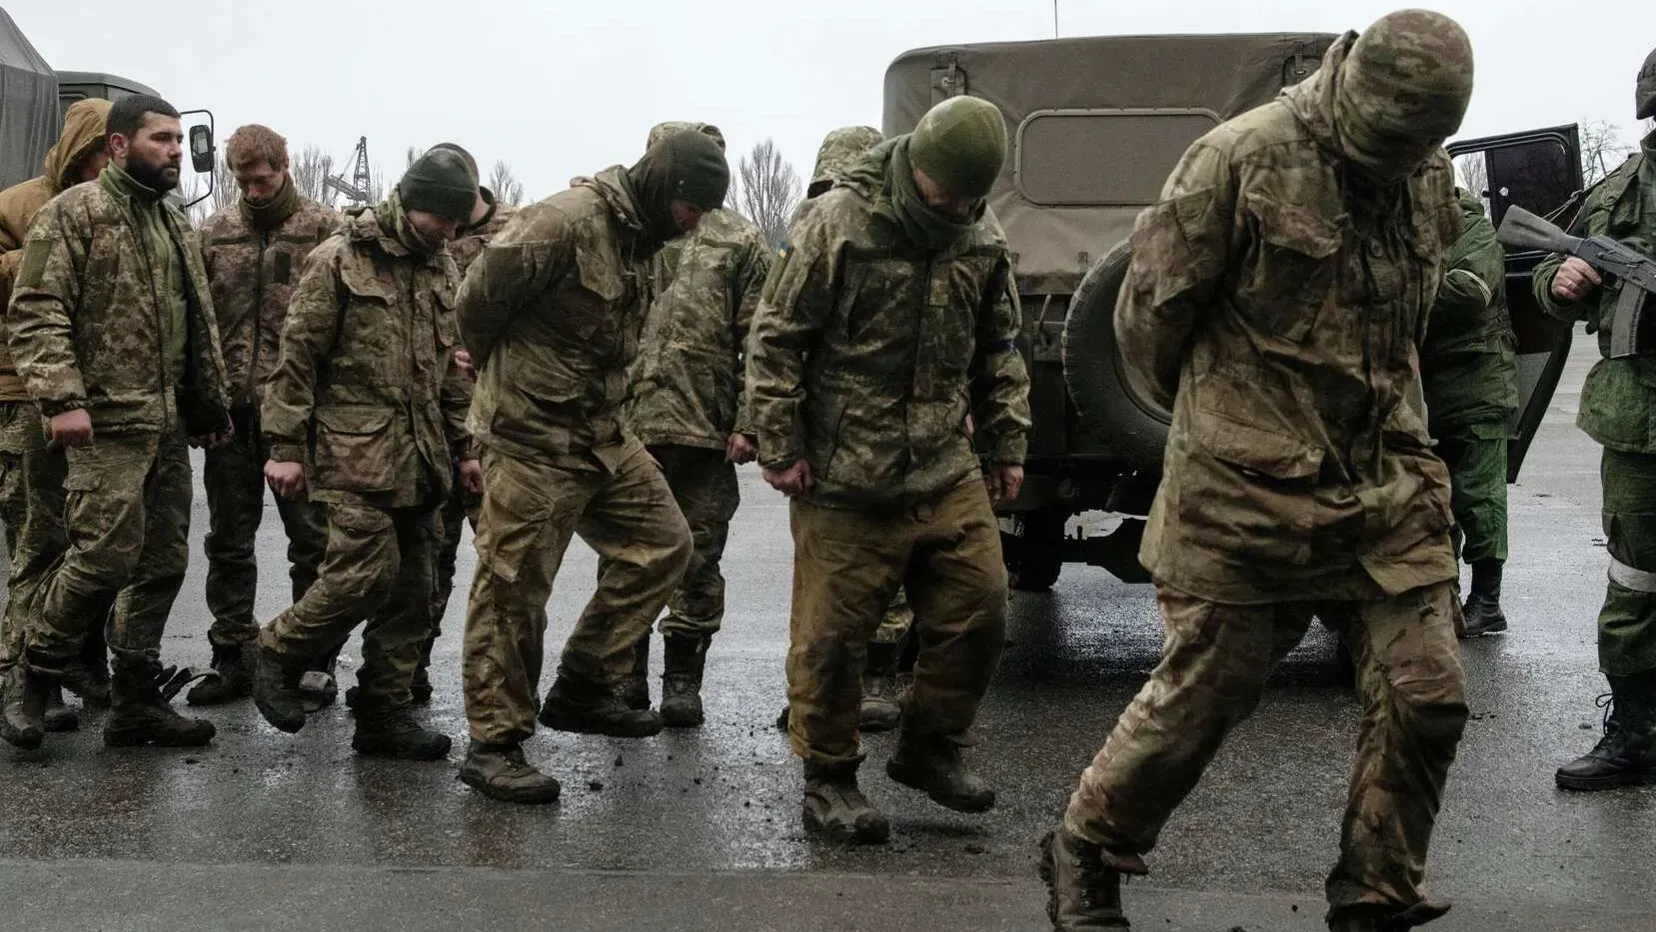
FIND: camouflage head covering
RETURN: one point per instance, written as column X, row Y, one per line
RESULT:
column 1644, row 95
column 961, row 145
column 1403, row 90
column 662, row 130
column 839, row 148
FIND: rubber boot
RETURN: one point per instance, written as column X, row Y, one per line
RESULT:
column 834, row 806
column 234, row 680
column 392, row 732
column 587, row 708
column 276, row 690
column 880, row 708
column 933, row 765
column 635, row 692
column 1083, row 882
column 1626, row 755
column 22, row 717
column 89, row 679
column 58, row 718
column 683, row 659
column 1373, row 917
column 499, row 771
column 1482, row 612
column 140, row 716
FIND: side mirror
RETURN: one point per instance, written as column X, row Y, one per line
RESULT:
column 201, row 148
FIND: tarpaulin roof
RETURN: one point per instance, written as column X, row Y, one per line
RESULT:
column 28, row 105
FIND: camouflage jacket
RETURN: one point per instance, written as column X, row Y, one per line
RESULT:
column 1468, row 363
column 469, row 245
column 253, row 273
column 366, row 391
column 551, row 313
column 1619, row 395
column 87, row 331
column 868, row 352
column 1284, row 340
column 687, row 382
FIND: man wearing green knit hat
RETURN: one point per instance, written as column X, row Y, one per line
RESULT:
column 888, row 320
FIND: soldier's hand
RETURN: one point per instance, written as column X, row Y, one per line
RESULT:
column 1004, row 482
column 213, row 441
column 795, row 480
column 471, row 476
column 463, row 359
column 740, row 449
column 71, row 429
column 1574, row 280
column 285, row 479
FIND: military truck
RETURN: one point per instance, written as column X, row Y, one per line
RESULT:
column 1096, row 124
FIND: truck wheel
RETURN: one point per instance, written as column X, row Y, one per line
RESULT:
column 1035, row 557
column 1107, row 404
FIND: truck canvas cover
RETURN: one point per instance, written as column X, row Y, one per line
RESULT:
column 28, row 105
column 1096, row 124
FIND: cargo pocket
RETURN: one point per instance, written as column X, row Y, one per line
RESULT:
column 1249, row 491
column 354, row 448
column 1287, row 284
column 515, row 515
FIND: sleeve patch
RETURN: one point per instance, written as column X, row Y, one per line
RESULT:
column 35, row 253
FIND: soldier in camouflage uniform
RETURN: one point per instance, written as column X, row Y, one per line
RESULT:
column 111, row 324
column 255, row 250
column 889, row 317
column 1616, row 405
column 366, row 412
column 1469, row 370
column 551, row 313
column 31, row 473
column 1274, row 303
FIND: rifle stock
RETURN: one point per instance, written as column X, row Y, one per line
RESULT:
column 1521, row 229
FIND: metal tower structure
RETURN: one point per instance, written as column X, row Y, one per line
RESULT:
column 357, row 190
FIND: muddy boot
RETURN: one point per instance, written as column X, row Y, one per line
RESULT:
column 1482, row 612
column 835, row 807
column 22, row 718
column 141, row 716
column 932, row 764
column 419, row 687
column 58, row 717
column 880, row 708
column 318, row 686
column 683, row 660
column 234, row 680
column 393, row 732
column 89, row 679
column 276, row 690
column 499, row 771
column 1626, row 755
column 1373, row 917
column 635, row 692
column 1084, row 883
column 590, row 709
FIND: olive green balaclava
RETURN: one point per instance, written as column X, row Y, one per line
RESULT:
column 1402, row 91
column 840, row 148
column 1644, row 95
column 684, row 166
column 961, row 145
column 439, row 183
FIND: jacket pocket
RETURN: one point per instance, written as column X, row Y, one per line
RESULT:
column 1249, row 491
column 1295, row 269
column 354, row 449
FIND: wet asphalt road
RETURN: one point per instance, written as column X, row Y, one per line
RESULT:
column 700, row 830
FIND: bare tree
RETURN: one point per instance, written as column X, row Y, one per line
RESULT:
column 507, row 189
column 765, row 189
column 1602, row 149
column 310, row 170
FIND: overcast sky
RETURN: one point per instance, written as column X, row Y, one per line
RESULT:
column 565, row 87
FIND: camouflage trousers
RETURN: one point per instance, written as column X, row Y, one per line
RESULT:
column 1211, row 676
column 849, row 564
column 457, row 508
column 31, row 504
column 1477, row 461
column 233, row 476
column 1627, row 621
column 127, row 511
column 899, row 618
column 705, row 488
column 377, row 565
column 530, row 511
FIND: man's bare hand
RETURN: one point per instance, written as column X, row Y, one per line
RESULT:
column 285, row 479
column 1574, row 280
column 463, row 359
column 1003, row 482
column 740, row 449
column 71, row 429
column 795, row 480
column 471, row 476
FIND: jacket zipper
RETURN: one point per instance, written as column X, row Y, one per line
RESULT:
column 258, row 321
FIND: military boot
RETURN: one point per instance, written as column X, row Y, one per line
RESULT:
column 1083, row 882
column 933, row 765
column 58, row 717
column 683, row 659
column 318, row 685
column 276, row 690
column 1482, row 611
column 1626, row 755
column 89, row 679
column 587, row 708
column 391, row 731
column 635, row 692
column 880, row 708
column 835, row 806
column 22, row 718
column 782, row 717
column 140, row 715
column 499, row 771
column 419, row 687
column 234, row 680
column 1374, row 917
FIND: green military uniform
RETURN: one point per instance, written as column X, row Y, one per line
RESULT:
column 1274, row 303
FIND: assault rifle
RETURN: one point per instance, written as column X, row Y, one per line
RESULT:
column 1521, row 229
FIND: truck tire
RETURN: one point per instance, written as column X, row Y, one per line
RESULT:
column 1035, row 557
column 1106, row 403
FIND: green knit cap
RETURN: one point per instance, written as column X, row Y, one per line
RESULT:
column 961, row 145
column 439, row 183
column 1645, row 93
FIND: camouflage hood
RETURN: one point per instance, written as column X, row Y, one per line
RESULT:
column 83, row 133
column 616, row 192
column 662, row 130
column 839, row 149
column 866, row 173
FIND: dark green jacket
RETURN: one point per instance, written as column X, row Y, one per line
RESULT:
column 1468, row 361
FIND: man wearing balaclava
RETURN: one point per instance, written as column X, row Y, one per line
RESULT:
column 551, row 313
column 888, row 320
column 1616, row 405
column 1274, row 303
column 365, row 414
